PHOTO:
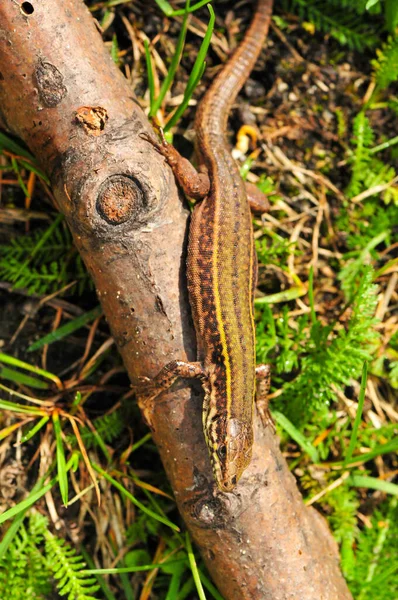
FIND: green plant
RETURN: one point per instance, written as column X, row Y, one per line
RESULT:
column 24, row 572
column 44, row 261
column 368, row 172
column 197, row 69
column 66, row 566
column 327, row 357
column 375, row 570
column 35, row 558
column 344, row 504
column 386, row 65
column 339, row 18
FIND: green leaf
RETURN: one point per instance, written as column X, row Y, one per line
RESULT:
column 149, row 69
column 35, row 494
column 156, row 104
column 135, row 569
column 391, row 12
column 20, row 378
column 15, row 362
column 61, row 462
column 7, row 143
column 197, row 70
column 358, row 415
column 33, row 430
column 133, row 499
column 21, row 408
column 67, row 329
column 194, row 568
column 170, row 12
column 296, row 435
column 373, row 483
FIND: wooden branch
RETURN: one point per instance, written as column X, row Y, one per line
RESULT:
column 61, row 93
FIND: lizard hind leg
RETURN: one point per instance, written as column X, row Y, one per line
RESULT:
column 263, row 376
column 258, row 201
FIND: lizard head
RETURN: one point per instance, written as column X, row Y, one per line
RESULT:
column 230, row 446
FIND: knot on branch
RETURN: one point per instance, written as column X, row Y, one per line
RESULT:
column 50, row 84
column 213, row 512
column 119, row 198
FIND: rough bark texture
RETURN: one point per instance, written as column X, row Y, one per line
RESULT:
column 61, row 93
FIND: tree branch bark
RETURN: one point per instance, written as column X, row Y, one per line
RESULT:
column 61, row 93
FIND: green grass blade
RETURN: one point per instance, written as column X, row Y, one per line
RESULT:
column 373, row 483
column 181, row 109
column 128, row 592
column 21, row 408
column 34, row 495
column 9, row 144
column 210, row 587
column 173, row 66
column 135, row 569
column 134, row 500
column 358, row 416
column 168, row 10
column 311, row 295
column 31, row 166
column 391, row 446
column 384, row 146
column 25, row 504
column 186, row 590
column 115, row 49
column 194, row 568
column 11, row 533
column 108, row 595
column 61, row 462
column 141, row 442
column 165, row 7
column 15, row 362
column 197, row 70
column 18, row 174
column 296, row 435
column 33, row 430
column 285, row 296
column 17, row 522
column 149, row 70
column 20, row 378
column 67, row 329
column 192, row 9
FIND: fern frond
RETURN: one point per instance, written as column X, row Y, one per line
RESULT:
column 343, row 521
column 333, row 356
column 66, row 565
column 108, row 428
column 367, row 171
column 386, row 65
column 342, row 23
column 362, row 140
column 42, row 267
column 23, row 571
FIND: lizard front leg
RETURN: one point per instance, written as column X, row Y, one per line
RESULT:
column 263, row 375
column 149, row 389
column 194, row 183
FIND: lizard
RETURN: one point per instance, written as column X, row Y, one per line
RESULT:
column 221, row 273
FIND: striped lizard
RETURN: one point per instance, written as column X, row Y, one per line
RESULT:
column 221, row 274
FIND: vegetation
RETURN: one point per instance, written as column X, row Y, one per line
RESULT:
column 325, row 318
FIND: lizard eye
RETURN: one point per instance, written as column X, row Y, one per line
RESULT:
column 222, row 452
